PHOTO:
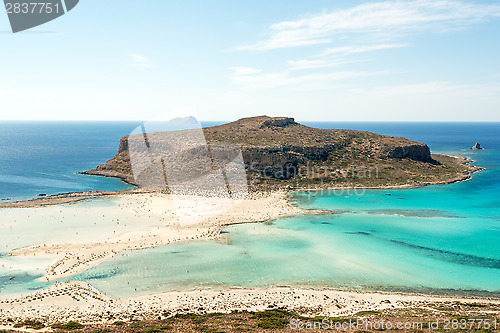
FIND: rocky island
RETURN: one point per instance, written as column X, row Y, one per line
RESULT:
column 477, row 146
column 280, row 153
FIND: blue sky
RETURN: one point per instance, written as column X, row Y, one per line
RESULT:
column 222, row 60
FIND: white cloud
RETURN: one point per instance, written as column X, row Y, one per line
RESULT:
column 245, row 70
column 428, row 88
column 388, row 18
column 139, row 60
column 338, row 56
column 315, row 64
column 352, row 49
column 258, row 81
column 438, row 89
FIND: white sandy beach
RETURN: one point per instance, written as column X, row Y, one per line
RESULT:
column 159, row 214
column 80, row 302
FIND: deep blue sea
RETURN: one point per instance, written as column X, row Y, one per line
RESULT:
column 433, row 239
column 45, row 157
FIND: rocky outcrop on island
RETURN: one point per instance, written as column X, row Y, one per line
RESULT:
column 118, row 166
column 477, row 146
column 278, row 151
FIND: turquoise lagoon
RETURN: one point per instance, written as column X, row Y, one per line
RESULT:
column 434, row 239
column 407, row 247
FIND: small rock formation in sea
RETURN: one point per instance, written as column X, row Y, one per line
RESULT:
column 477, row 146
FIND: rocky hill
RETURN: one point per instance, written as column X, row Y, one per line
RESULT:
column 280, row 152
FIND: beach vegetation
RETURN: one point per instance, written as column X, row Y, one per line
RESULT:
column 189, row 316
column 273, row 323
column 137, row 324
column 273, row 319
column 206, row 329
column 30, row 324
column 477, row 305
column 34, row 325
column 368, row 313
column 69, row 326
column 157, row 329
column 185, row 316
column 279, row 313
column 166, row 327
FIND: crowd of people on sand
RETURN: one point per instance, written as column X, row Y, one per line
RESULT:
column 75, row 291
column 89, row 306
column 52, row 270
column 72, row 262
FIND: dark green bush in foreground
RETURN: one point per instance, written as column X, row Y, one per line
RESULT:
column 70, row 326
column 273, row 319
column 273, row 323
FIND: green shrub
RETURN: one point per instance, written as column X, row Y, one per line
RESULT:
column 166, row 327
column 367, row 313
column 273, row 323
column 158, row 329
column 153, row 330
column 70, row 326
column 279, row 313
column 206, row 329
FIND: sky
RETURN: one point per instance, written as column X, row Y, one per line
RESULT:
column 315, row 60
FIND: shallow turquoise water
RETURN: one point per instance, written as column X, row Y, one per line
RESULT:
column 431, row 239
column 353, row 251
